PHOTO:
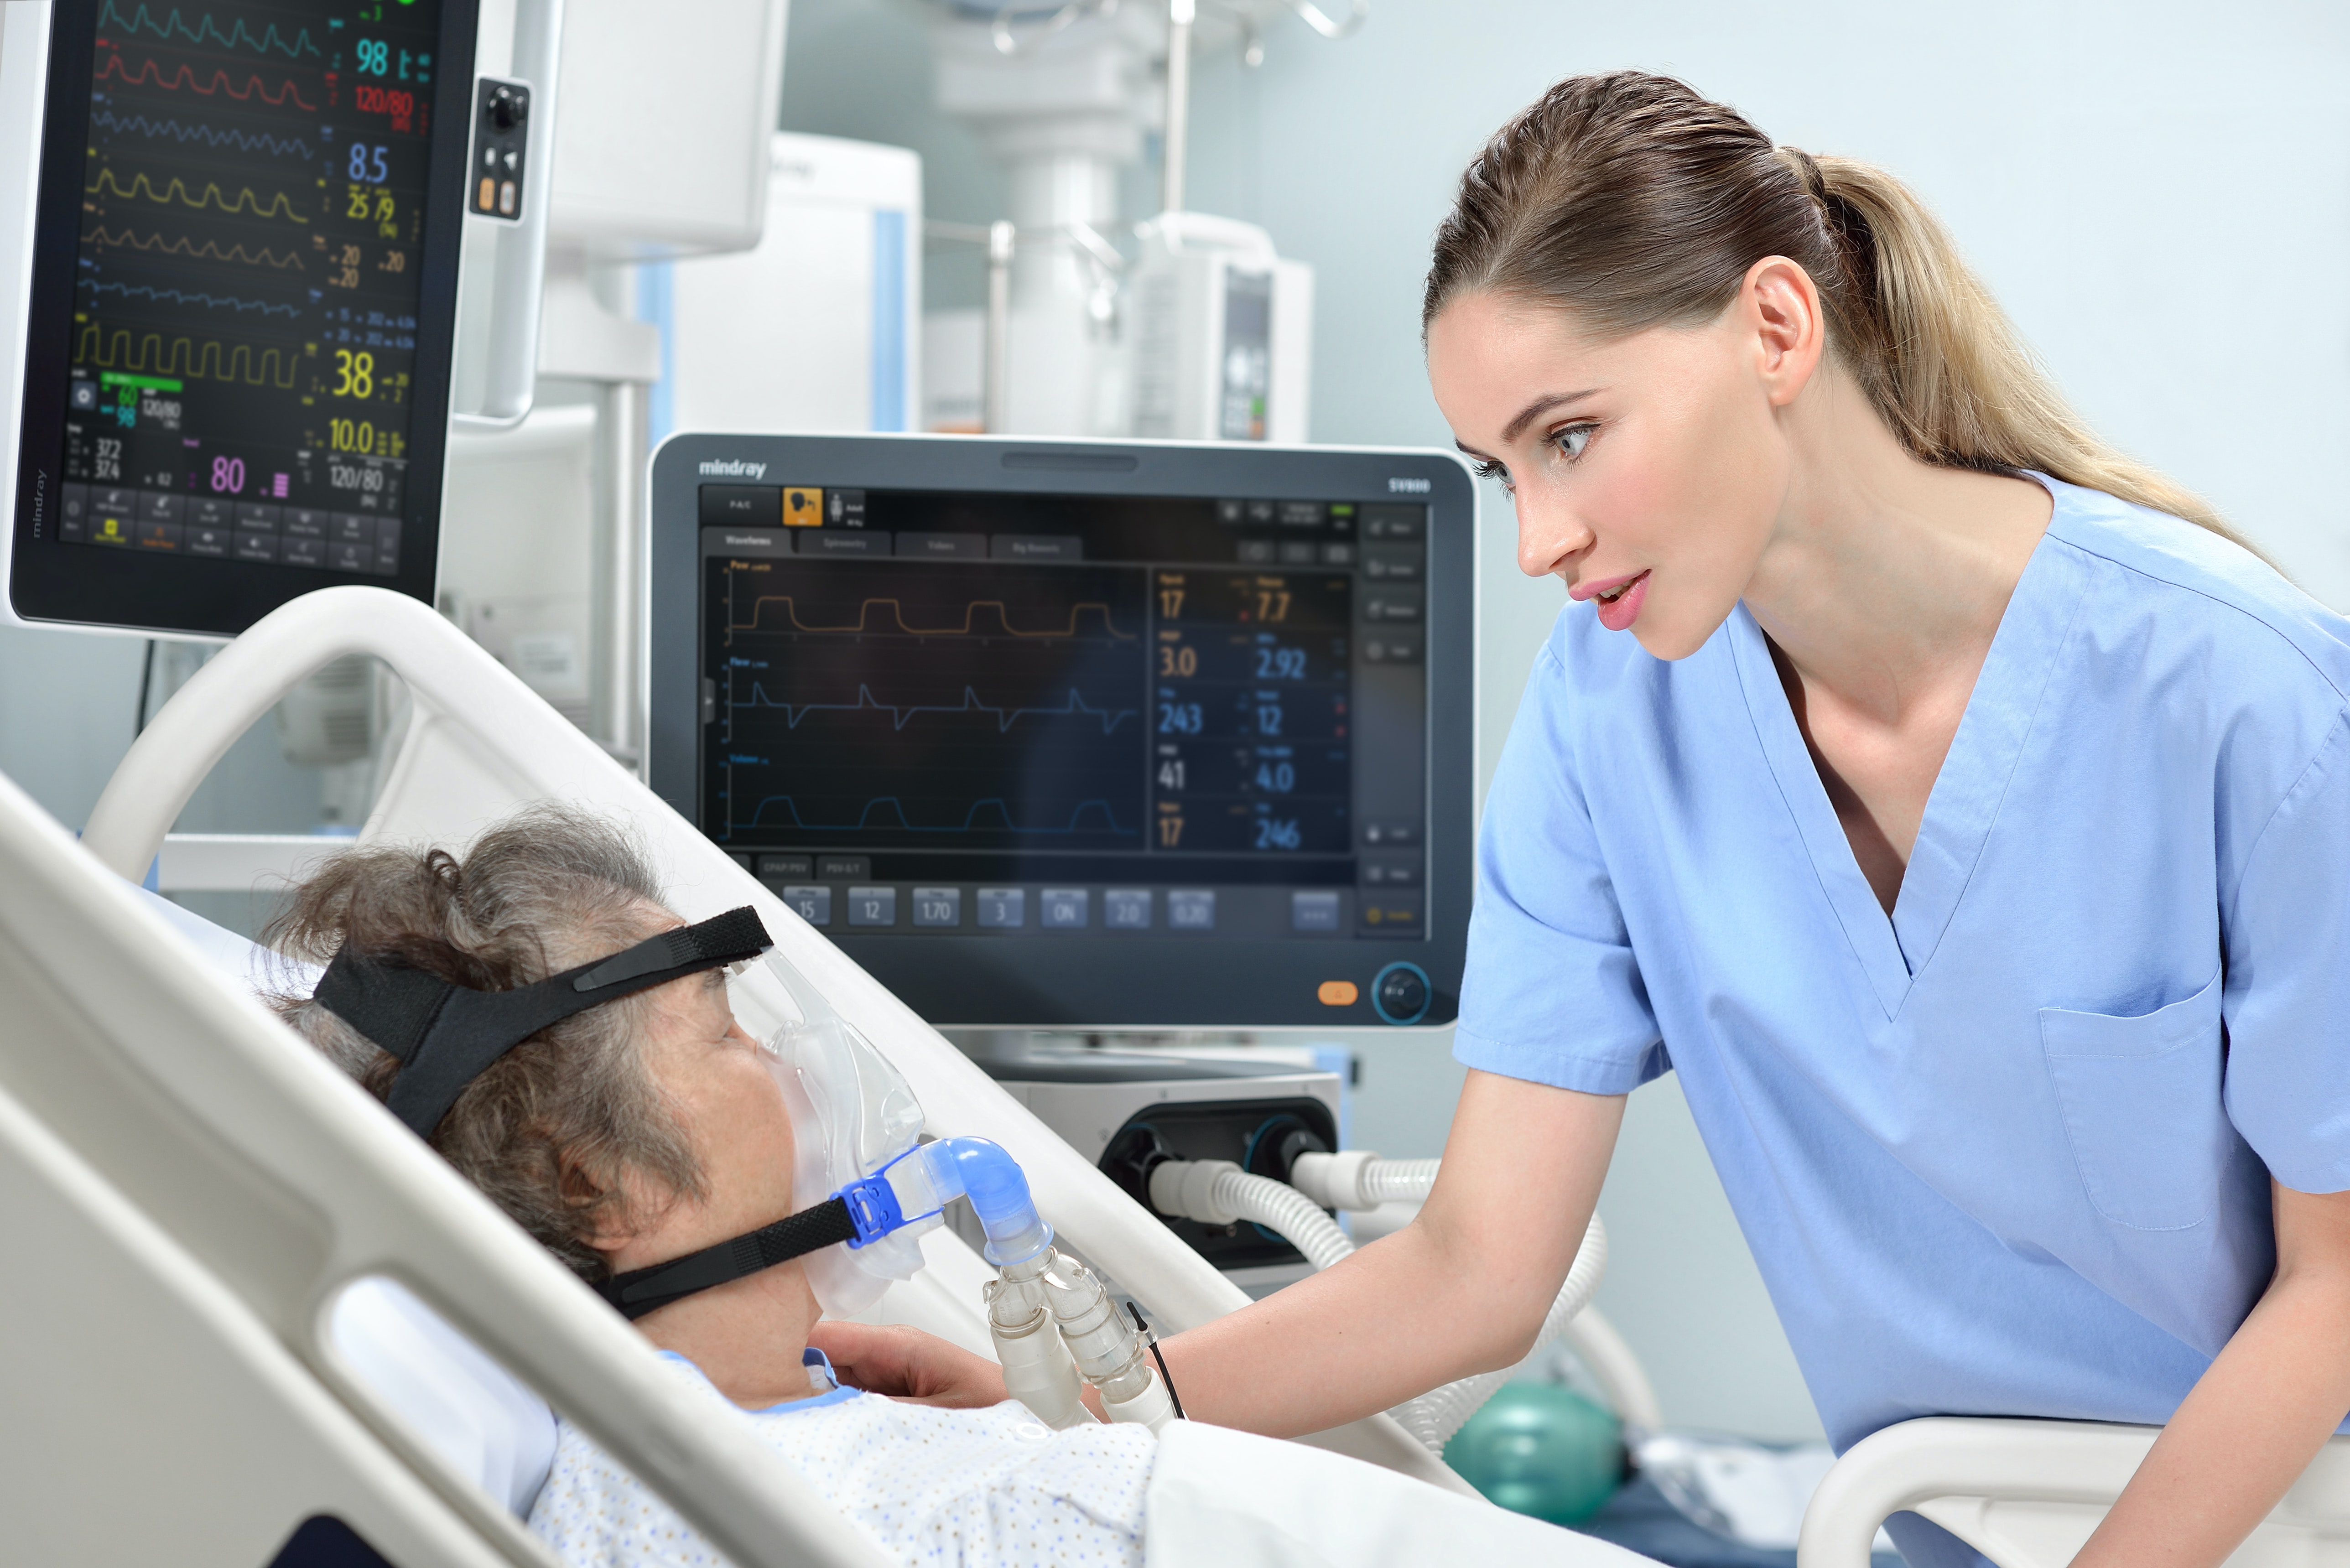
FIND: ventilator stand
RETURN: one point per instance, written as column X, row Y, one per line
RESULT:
column 584, row 338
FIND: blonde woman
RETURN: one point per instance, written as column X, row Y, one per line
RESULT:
column 1952, row 802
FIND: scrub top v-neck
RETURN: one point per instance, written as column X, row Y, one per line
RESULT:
column 2007, row 1151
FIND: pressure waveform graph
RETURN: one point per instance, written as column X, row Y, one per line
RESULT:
column 879, row 704
column 185, row 78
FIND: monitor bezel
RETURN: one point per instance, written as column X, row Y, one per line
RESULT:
column 1162, row 980
column 124, row 590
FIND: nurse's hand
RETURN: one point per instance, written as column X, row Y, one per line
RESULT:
column 906, row 1364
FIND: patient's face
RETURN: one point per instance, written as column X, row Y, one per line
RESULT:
column 732, row 1112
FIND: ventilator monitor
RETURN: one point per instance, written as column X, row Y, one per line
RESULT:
column 1090, row 735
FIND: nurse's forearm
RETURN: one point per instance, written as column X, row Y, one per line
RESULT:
column 2251, row 1426
column 1459, row 1291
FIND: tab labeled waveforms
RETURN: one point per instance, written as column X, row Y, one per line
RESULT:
column 206, row 31
column 279, row 205
column 260, row 256
column 121, row 348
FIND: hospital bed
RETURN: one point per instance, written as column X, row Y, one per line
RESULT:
column 209, row 1217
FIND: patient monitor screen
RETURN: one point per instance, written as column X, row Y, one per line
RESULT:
column 235, row 385
column 1026, row 715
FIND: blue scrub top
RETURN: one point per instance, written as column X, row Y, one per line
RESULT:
column 2006, row 1153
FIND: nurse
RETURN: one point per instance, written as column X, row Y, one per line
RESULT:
column 1951, row 801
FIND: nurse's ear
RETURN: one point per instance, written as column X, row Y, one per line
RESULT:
column 1777, row 314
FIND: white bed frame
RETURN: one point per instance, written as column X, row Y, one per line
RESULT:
column 192, row 1186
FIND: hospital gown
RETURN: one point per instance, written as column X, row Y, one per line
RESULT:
column 991, row 1487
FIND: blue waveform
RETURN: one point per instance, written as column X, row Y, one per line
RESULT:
column 143, row 21
column 240, row 306
column 245, row 141
column 970, row 821
column 1004, row 717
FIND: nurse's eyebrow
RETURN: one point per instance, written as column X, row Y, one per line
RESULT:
column 1543, row 405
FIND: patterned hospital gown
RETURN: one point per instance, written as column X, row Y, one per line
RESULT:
column 941, row 1489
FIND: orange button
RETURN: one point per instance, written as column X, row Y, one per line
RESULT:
column 1337, row 993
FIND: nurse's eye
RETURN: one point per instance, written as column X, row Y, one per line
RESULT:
column 1570, row 441
column 1488, row 469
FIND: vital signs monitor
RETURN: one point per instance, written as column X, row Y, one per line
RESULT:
column 244, row 285
column 1087, row 735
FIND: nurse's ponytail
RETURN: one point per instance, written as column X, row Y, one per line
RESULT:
column 1634, row 202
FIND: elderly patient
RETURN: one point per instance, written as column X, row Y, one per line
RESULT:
column 648, row 1127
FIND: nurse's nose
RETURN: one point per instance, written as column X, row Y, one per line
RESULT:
column 1550, row 534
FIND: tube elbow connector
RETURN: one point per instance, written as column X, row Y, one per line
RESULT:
column 985, row 1173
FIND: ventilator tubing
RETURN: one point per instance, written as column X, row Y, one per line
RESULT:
column 1218, row 1192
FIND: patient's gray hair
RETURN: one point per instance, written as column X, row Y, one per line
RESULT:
column 548, row 1131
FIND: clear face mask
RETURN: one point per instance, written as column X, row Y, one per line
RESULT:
column 852, row 1117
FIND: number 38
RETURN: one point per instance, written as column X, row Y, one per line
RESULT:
column 354, row 374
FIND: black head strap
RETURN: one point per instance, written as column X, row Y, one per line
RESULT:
column 447, row 1035
column 641, row 1291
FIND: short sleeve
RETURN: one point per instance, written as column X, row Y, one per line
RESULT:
column 2287, row 997
column 1551, row 991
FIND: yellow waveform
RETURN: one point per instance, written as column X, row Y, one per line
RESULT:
column 897, row 612
column 279, row 207
column 185, row 356
column 209, row 251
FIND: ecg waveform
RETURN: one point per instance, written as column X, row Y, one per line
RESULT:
column 143, row 21
column 184, row 79
column 970, row 823
column 209, row 251
column 185, row 357
column 970, row 617
column 211, row 136
column 1076, row 706
column 279, row 206
column 183, row 297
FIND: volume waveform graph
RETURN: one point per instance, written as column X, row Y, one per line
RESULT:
column 947, row 706
column 252, row 365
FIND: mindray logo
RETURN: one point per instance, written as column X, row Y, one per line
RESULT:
column 1403, row 487
column 735, row 468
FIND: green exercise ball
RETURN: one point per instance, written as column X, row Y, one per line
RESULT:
column 1541, row 1449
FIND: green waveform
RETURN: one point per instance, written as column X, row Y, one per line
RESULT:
column 141, row 20
column 118, row 350
column 279, row 206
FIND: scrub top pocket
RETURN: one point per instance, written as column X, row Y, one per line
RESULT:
column 2141, row 1100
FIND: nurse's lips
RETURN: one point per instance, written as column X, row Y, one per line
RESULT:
column 1619, row 598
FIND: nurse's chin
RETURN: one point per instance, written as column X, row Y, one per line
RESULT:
column 1671, row 637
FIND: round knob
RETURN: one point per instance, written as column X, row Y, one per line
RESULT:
column 508, row 108
column 1399, row 995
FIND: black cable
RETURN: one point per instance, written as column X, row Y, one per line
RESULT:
column 1172, row 1397
column 146, row 686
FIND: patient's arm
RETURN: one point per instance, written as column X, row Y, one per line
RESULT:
column 1460, row 1290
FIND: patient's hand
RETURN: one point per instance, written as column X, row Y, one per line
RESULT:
column 906, row 1364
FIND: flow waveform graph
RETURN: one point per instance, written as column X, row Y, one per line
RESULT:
column 948, row 706
column 118, row 348
column 142, row 19
column 259, row 255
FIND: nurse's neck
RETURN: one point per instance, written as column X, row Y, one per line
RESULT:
column 1881, row 587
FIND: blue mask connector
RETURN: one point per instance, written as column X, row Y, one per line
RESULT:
column 923, row 1180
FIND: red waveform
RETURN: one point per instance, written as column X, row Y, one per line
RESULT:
column 186, row 77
